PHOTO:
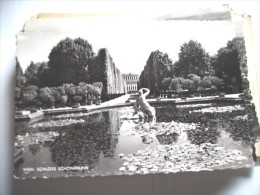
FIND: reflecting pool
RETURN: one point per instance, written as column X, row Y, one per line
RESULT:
column 112, row 142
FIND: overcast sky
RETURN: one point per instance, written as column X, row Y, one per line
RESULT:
column 129, row 38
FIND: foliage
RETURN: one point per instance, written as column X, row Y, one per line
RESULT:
column 56, row 95
column 97, row 86
column 77, row 98
column 69, row 61
column 193, row 59
column 166, row 82
column 67, row 94
column 46, row 96
column 195, row 78
column 61, row 90
column 64, row 99
column 30, row 94
column 36, row 74
column 98, row 68
column 227, row 64
column 187, row 84
column 175, row 84
column 162, row 65
column 20, row 83
column 158, row 67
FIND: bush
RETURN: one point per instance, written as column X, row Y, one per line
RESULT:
column 46, row 96
column 97, row 88
column 212, row 82
column 166, row 82
column 67, row 94
column 77, row 98
column 30, row 94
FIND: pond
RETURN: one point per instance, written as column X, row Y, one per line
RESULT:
column 113, row 142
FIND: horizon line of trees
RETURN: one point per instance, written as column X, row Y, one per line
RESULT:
column 71, row 62
column 196, row 70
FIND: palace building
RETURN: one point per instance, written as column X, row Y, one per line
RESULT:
column 131, row 82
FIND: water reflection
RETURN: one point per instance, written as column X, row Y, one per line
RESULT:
column 83, row 144
column 34, row 148
column 210, row 124
column 204, row 134
column 101, row 137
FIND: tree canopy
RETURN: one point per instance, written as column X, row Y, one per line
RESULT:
column 193, row 59
column 37, row 74
column 20, row 82
column 162, row 67
column 227, row 64
column 69, row 61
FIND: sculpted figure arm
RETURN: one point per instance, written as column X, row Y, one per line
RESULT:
column 146, row 90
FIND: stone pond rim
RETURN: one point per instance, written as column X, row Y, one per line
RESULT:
column 27, row 116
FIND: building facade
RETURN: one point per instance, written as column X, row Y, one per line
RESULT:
column 131, row 82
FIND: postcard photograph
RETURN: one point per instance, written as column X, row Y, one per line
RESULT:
column 123, row 94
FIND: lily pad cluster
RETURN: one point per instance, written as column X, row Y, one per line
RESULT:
column 130, row 127
column 57, row 123
column 181, row 158
column 35, row 138
column 244, row 117
column 239, row 130
column 220, row 109
column 204, row 134
column 193, row 105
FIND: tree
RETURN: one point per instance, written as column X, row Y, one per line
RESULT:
column 178, row 84
column 69, row 61
column 31, row 74
column 69, row 91
column 77, row 98
column 227, row 66
column 158, row 67
column 46, row 96
column 97, row 88
column 20, row 83
column 98, row 69
column 63, row 96
column 56, row 95
column 187, row 84
column 162, row 67
column 196, row 80
column 37, row 74
column 166, row 83
column 30, row 94
column 175, row 84
column 193, row 59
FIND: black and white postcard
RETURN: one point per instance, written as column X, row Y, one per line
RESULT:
column 130, row 93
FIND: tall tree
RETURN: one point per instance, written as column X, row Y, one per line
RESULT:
column 227, row 64
column 158, row 67
column 69, row 61
column 20, row 83
column 162, row 67
column 193, row 59
column 37, row 74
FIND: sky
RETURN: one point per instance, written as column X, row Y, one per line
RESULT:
column 129, row 38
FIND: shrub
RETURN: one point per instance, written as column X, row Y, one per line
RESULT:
column 46, row 96
column 166, row 83
column 30, row 94
column 77, row 98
